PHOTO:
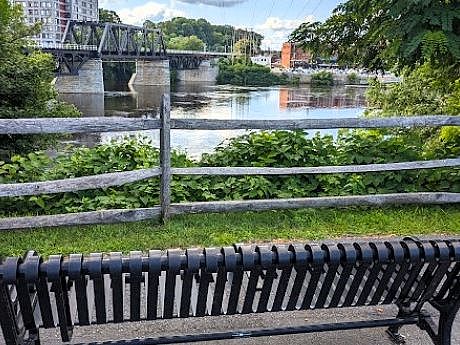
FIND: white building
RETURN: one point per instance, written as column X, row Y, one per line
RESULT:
column 262, row 60
column 54, row 15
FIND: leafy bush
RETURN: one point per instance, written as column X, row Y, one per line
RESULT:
column 130, row 154
column 425, row 90
column 353, row 78
column 248, row 74
column 322, row 78
column 261, row 149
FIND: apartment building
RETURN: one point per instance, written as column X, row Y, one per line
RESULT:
column 54, row 14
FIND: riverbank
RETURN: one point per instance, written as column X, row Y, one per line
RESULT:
column 225, row 229
column 336, row 76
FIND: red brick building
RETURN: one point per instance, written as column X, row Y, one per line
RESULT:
column 290, row 54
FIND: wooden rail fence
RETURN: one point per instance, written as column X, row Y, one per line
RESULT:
column 166, row 209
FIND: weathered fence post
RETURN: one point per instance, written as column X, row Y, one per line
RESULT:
column 165, row 157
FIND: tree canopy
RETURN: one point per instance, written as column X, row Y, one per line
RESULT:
column 26, row 76
column 386, row 33
column 108, row 16
column 180, row 31
column 216, row 37
column 186, row 43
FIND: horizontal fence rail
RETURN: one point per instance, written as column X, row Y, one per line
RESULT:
column 78, row 183
column 390, row 122
column 318, row 202
column 122, row 178
column 239, row 171
column 155, row 213
column 82, row 218
column 121, row 124
column 165, row 171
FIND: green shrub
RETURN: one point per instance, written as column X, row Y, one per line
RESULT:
column 425, row 90
column 322, row 78
column 248, row 74
column 353, row 78
column 127, row 155
column 261, row 149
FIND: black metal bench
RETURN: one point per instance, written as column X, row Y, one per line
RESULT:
column 98, row 289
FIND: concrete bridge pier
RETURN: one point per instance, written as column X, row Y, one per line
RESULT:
column 151, row 73
column 207, row 72
column 90, row 79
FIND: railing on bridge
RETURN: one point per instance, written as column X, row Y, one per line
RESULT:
column 196, row 52
column 165, row 171
column 88, row 47
column 67, row 46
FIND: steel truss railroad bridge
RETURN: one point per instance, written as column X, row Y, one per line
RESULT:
column 83, row 41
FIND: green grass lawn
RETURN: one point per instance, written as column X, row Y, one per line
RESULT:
column 226, row 229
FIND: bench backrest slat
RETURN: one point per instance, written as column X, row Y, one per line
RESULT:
column 282, row 288
column 116, row 285
column 174, row 264
column 154, row 272
column 365, row 260
column 135, row 279
column 344, row 280
column 451, row 276
column 218, row 297
column 268, row 279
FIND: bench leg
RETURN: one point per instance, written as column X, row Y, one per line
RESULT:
column 33, row 339
column 441, row 333
column 395, row 336
column 446, row 320
column 445, row 334
column 393, row 331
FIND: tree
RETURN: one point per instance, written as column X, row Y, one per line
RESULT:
column 216, row 37
column 307, row 34
column 243, row 49
column 108, row 16
column 186, row 43
column 387, row 33
column 26, row 76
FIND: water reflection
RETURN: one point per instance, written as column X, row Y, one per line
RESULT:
column 207, row 101
column 328, row 97
column 88, row 104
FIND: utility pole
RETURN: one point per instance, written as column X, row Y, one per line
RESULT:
column 246, row 39
column 250, row 42
column 253, row 38
column 233, row 46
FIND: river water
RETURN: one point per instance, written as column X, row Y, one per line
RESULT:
column 206, row 101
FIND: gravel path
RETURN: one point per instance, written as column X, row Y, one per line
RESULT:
column 188, row 326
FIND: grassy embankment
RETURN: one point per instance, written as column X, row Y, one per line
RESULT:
column 226, row 229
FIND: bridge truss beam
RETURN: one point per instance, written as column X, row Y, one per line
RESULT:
column 117, row 41
column 107, row 41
